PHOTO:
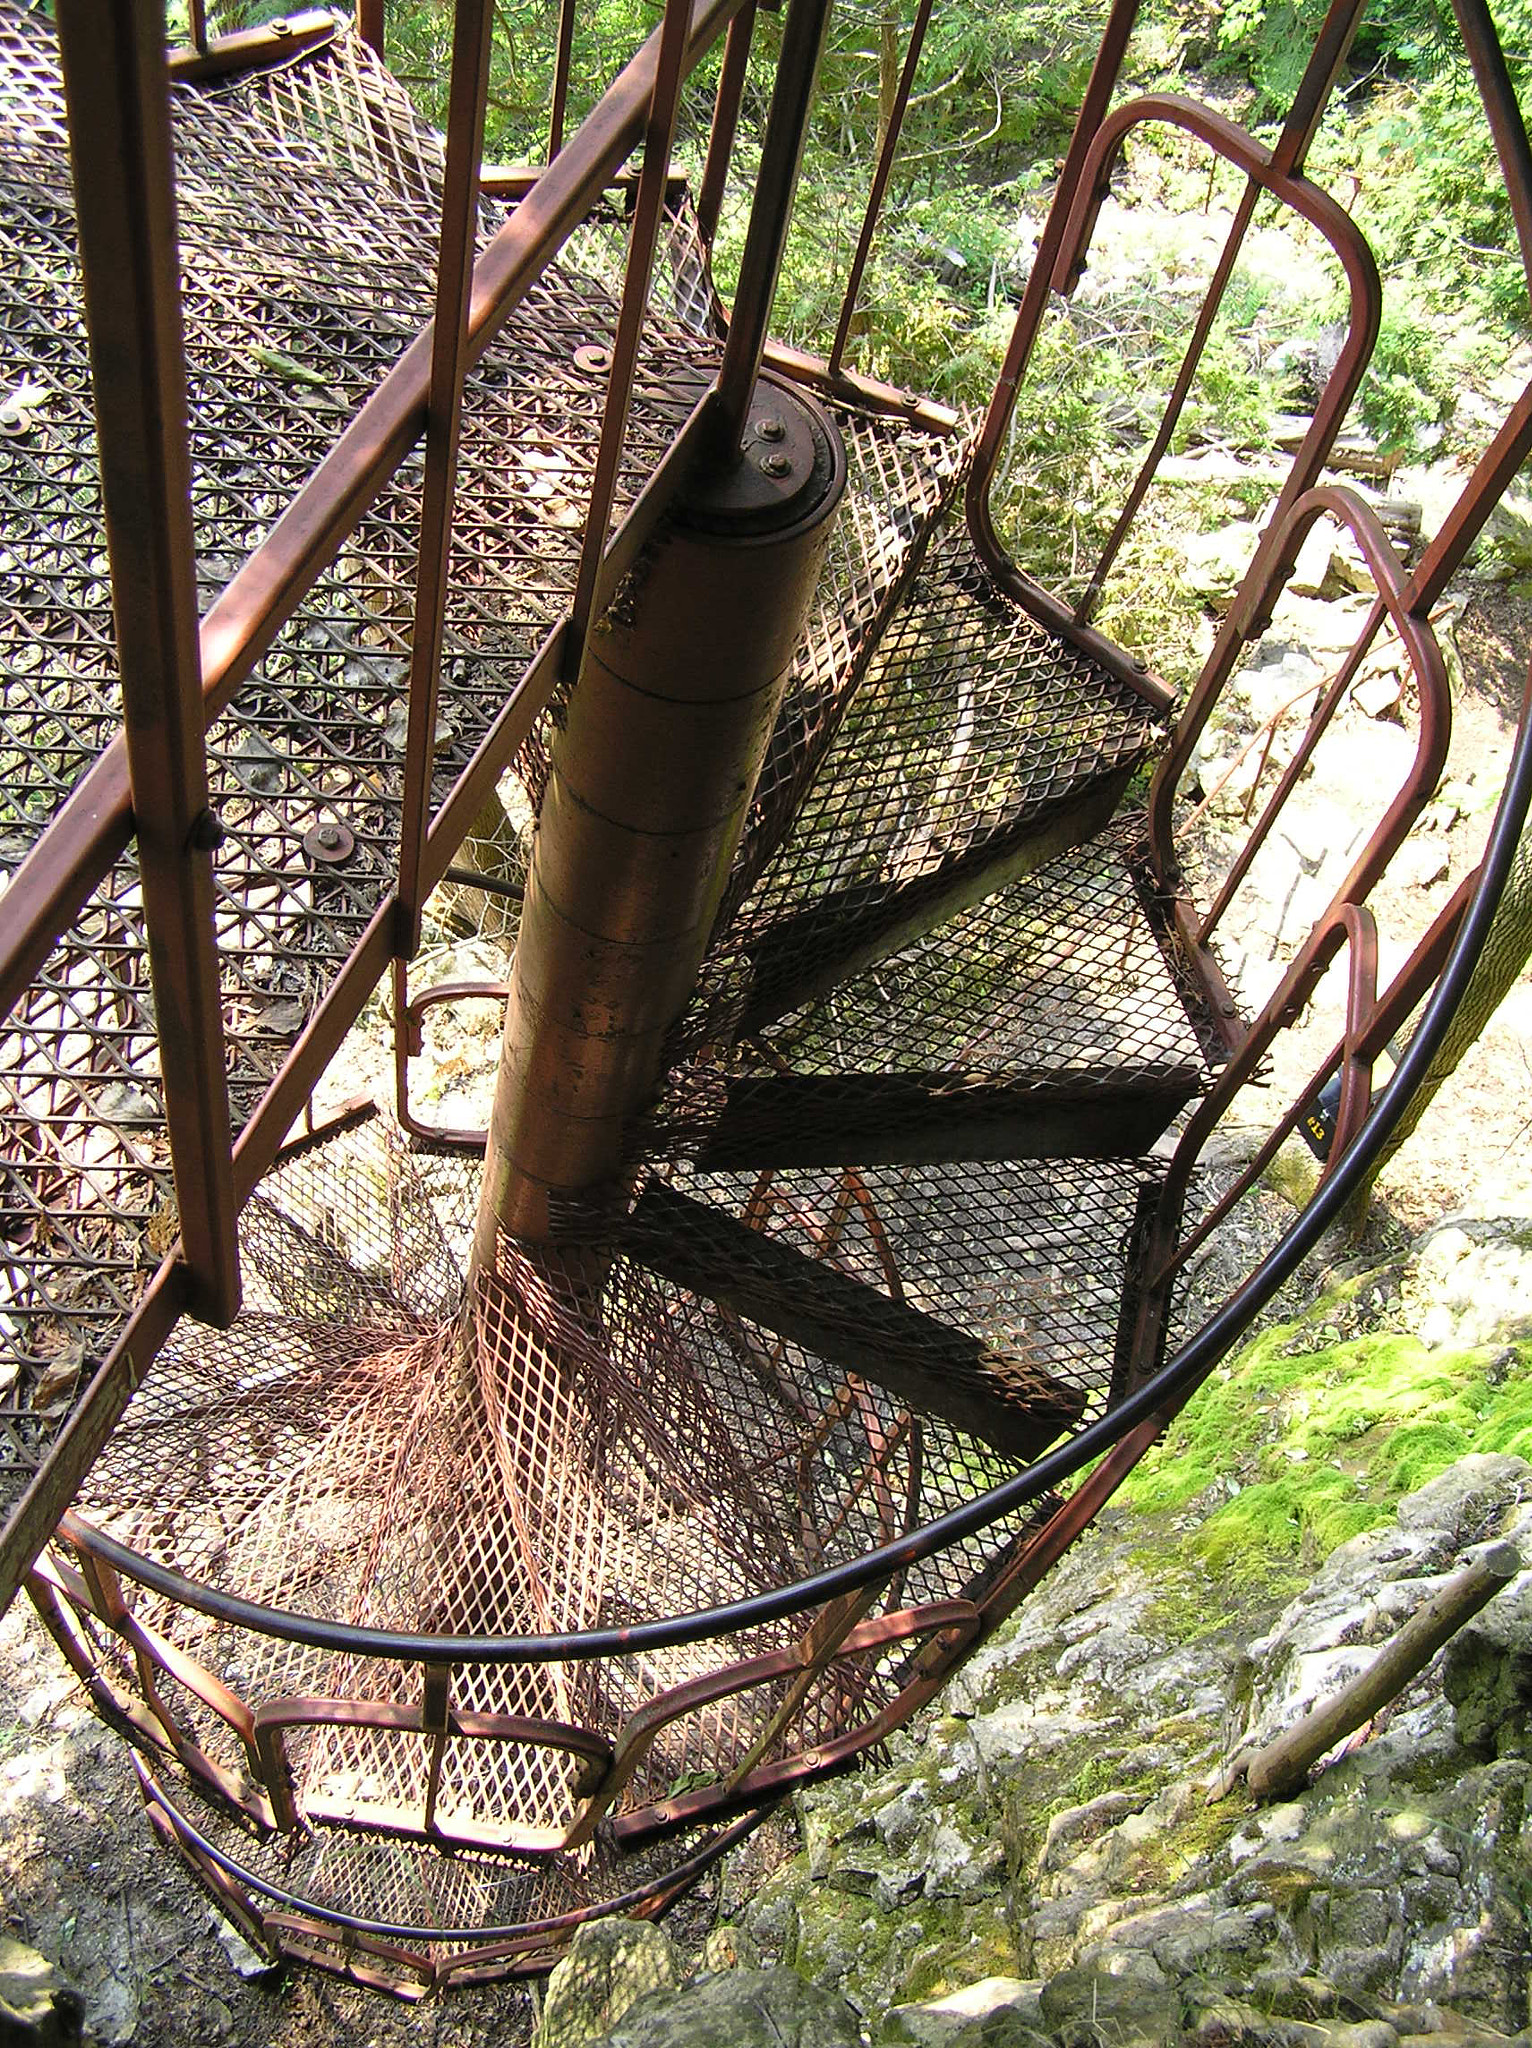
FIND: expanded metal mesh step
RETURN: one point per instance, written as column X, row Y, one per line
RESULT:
column 308, row 211
column 623, row 1450
column 1049, row 1002
column 977, row 747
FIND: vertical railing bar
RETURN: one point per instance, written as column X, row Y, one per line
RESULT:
column 726, row 105
column 444, row 418
column 1034, row 301
column 1503, row 112
column 1303, row 118
column 196, row 22
column 770, row 212
column 118, row 101
column 1493, row 475
column 648, row 211
column 369, row 25
column 879, row 185
column 1306, row 110
column 1190, row 363
column 563, row 59
column 1513, row 443
column 1314, row 732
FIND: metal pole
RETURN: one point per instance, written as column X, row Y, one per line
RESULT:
column 648, row 211
column 787, row 128
column 92, row 825
column 561, row 64
column 449, row 360
column 652, row 774
column 113, row 54
column 880, row 184
column 720, row 142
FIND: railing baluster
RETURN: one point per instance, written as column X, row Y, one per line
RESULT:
column 879, row 185
column 444, row 418
column 369, row 24
column 648, row 211
column 561, row 64
column 770, row 212
column 116, row 86
column 720, row 142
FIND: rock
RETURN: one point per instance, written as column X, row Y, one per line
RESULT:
column 610, row 1965
column 1469, row 1498
column 995, row 2011
column 1123, row 2001
column 1489, row 1683
column 1078, row 1825
column 246, row 1961
column 1225, row 2022
column 1473, row 1280
column 739, row 2009
column 730, row 1948
column 37, row 2008
column 1214, row 563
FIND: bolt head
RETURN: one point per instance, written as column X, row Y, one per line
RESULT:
column 776, row 464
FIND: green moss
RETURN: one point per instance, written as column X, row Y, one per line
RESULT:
column 1321, row 1434
column 961, row 1945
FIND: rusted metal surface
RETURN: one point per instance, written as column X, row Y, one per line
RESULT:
column 720, row 143
column 643, row 235
column 471, row 29
column 879, row 186
column 770, row 212
column 650, row 780
column 114, row 82
column 251, row 49
column 293, row 979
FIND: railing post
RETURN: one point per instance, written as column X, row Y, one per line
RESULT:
column 444, row 416
column 113, row 54
column 787, row 127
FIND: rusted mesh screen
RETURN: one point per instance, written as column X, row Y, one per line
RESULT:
column 974, row 737
column 611, row 1449
column 1057, row 982
column 308, row 211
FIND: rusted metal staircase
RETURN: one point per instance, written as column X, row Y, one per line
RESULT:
column 430, row 1645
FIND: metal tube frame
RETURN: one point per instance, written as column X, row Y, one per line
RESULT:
column 115, row 86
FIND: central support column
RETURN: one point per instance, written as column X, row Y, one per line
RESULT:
column 652, row 775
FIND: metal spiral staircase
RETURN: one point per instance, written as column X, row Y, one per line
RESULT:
column 468, row 1550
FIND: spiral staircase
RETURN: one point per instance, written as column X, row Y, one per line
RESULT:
column 449, row 1601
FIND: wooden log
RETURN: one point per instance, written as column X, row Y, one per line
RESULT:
column 1282, row 1765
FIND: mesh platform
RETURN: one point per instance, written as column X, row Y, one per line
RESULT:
column 622, row 1451
column 976, row 747
column 308, row 209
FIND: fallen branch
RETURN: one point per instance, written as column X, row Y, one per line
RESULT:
column 1282, row 1765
